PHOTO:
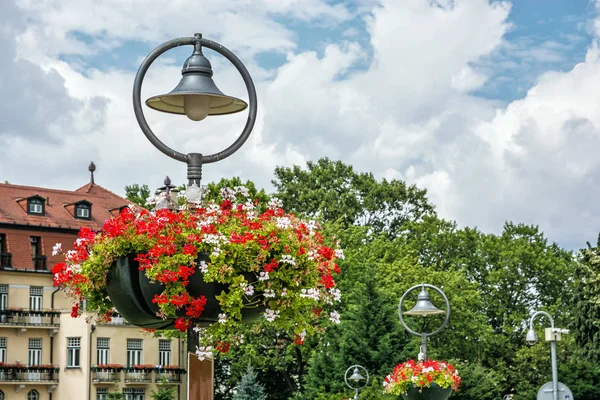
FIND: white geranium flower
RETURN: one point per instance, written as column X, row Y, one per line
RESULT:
column 287, row 259
column 269, row 293
column 57, row 249
column 334, row 317
column 248, row 289
column 222, row 318
column 270, row 315
column 204, row 353
column 203, row 267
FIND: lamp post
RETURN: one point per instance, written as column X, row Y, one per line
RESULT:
column 196, row 96
column 356, row 378
column 424, row 307
column 552, row 335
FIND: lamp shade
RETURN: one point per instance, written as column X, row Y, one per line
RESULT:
column 424, row 306
column 196, row 95
column 531, row 337
column 356, row 376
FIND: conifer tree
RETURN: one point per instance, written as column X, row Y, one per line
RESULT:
column 249, row 388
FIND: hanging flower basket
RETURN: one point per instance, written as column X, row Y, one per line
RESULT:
column 422, row 380
column 214, row 265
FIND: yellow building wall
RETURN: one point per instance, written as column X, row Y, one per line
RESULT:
column 73, row 383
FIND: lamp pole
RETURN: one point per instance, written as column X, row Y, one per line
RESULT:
column 423, row 308
column 197, row 97
column 552, row 335
column 356, row 377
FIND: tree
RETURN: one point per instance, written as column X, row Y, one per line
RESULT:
column 137, row 194
column 115, row 395
column 164, row 393
column 333, row 191
column 249, row 388
column 586, row 322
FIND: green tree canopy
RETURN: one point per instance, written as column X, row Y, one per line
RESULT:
column 334, row 191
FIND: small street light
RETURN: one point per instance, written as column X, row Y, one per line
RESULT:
column 552, row 335
column 423, row 308
column 356, row 378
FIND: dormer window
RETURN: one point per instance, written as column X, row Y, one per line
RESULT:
column 36, row 205
column 83, row 210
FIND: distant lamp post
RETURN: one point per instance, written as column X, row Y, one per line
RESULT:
column 356, row 378
column 554, row 390
column 424, row 307
column 166, row 196
column 197, row 97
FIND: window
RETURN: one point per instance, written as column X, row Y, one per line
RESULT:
column 164, row 352
column 35, row 205
column 83, row 210
column 1, row 395
column 103, row 350
column 35, row 298
column 134, row 352
column 35, row 242
column 5, row 256
column 35, row 351
column 2, row 351
column 133, row 393
column 33, row 395
column 3, row 297
column 73, row 351
column 101, row 394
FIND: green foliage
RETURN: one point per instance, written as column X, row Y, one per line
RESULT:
column 393, row 240
column 115, row 395
column 333, row 191
column 137, row 194
column 586, row 322
column 249, row 388
column 164, row 393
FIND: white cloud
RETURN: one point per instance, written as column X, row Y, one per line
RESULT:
column 408, row 115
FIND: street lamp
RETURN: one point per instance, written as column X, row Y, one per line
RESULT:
column 552, row 335
column 356, row 378
column 196, row 96
column 423, row 308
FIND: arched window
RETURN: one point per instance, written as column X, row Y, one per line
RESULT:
column 33, row 395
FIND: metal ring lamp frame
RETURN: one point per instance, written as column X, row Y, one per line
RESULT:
column 424, row 335
column 366, row 381
column 447, row 310
column 194, row 160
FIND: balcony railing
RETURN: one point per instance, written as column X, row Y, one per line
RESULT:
column 167, row 376
column 5, row 260
column 135, row 375
column 23, row 317
column 106, row 373
column 17, row 373
column 39, row 263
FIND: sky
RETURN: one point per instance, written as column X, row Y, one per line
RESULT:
column 492, row 106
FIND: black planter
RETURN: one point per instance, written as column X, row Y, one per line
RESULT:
column 131, row 293
column 431, row 393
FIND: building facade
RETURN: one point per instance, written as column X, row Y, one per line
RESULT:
column 44, row 352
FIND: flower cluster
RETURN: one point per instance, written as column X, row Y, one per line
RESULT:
column 268, row 258
column 421, row 374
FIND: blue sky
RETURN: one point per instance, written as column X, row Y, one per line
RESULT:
column 491, row 106
column 545, row 35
